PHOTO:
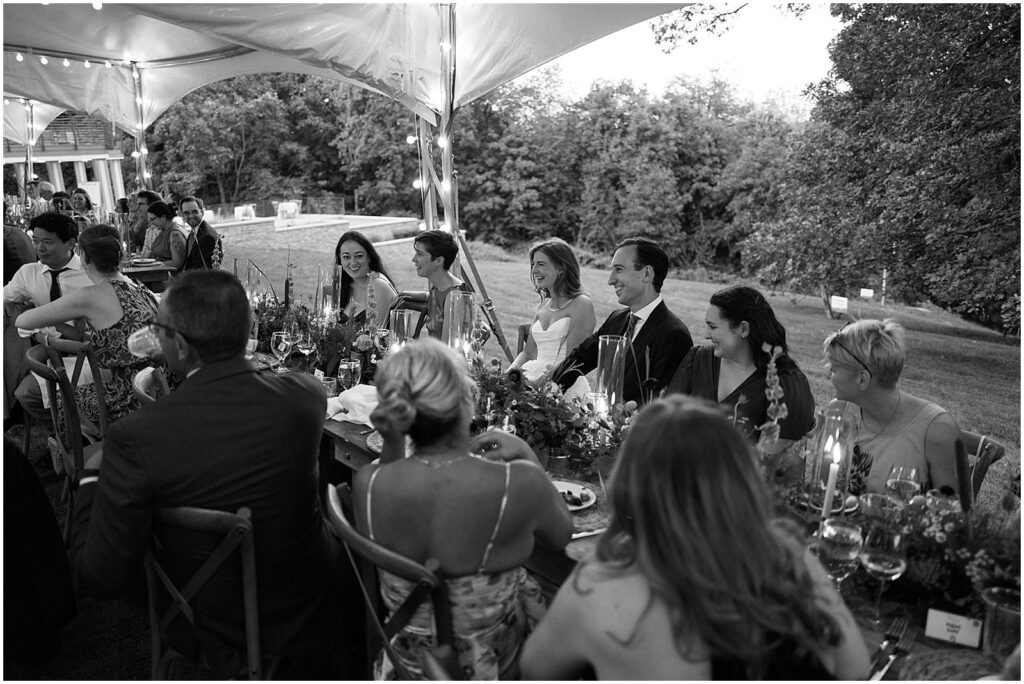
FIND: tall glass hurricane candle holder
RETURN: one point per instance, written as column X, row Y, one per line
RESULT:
column 829, row 469
column 611, row 366
column 459, row 315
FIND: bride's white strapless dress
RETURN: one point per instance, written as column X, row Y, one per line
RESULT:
column 551, row 351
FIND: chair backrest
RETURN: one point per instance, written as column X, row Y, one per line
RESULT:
column 84, row 353
column 150, row 384
column 67, row 423
column 982, row 452
column 428, row 585
column 235, row 530
column 413, row 305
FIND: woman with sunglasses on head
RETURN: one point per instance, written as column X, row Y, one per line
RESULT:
column 694, row 579
column 865, row 360
column 113, row 307
column 732, row 370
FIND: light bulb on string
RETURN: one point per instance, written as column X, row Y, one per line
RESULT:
column 18, row 57
column 147, row 174
column 446, row 185
column 138, row 100
column 139, row 125
column 445, row 45
column 66, row 62
column 442, row 141
column 6, row 102
column 106, row 63
column 411, row 139
column 144, row 150
column 135, row 154
column 97, row 6
column 417, row 184
column 43, row 60
column 87, row 64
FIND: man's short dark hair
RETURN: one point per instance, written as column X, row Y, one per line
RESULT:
column 64, row 227
column 190, row 198
column 648, row 253
column 149, row 196
column 210, row 309
column 439, row 244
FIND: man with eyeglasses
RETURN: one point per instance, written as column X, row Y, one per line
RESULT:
column 58, row 271
column 228, row 436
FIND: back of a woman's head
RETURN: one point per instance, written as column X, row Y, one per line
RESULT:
column 422, row 388
column 880, row 345
column 691, row 513
column 740, row 303
column 101, row 246
column 561, row 256
column 161, row 210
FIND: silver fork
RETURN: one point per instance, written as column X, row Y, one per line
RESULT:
column 892, row 635
column 902, row 649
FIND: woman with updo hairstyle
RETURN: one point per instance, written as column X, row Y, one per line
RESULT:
column 113, row 308
column 479, row 519
column 165, row 240
column 358, row 259
column 865, row 360
column 564, row 317
column 694, row 579
column 731, row 370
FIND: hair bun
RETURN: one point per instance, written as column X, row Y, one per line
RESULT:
column 394, row 413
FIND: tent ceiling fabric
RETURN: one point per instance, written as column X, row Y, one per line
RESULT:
column 392, row 49
column 16, row 120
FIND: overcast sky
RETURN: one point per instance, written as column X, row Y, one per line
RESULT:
column 766, row 53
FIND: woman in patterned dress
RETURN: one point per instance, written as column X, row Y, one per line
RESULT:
column 113, row 308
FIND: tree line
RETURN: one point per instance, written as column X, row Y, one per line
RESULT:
column 909, row 164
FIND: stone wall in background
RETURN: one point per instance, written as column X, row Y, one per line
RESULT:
column 312, row 232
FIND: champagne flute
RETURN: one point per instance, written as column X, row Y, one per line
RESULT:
column 306, row 345
column 281, row 344
column 883, row 556
column 839, row 545
column 902, row 483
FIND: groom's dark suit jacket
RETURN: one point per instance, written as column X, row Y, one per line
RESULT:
column 663, row 339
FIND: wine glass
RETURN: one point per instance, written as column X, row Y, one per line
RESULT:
column 348, row 374
column 281, row 344
column 902, row 483
column 253, row 340
column 839, row 545
column 306, row 345
column 883, row 556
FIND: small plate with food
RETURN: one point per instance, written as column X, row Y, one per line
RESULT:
column 576, row 496
column 142, row 261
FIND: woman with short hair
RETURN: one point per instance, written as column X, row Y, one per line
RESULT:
column 113, row 307
column 865, row 360
column 478, row 518
column 694, row 579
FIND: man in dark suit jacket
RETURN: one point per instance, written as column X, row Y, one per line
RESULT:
column 228, row 437
column 202, row 247
column 659, row 340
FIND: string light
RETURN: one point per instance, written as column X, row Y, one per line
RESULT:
column 138, row 100
column 445, row 45
column 135, row 154
column 442, row 141
column 6, row 101
column 446, row 186
column 43, row 60
column 417, row 184
column 18, row 57
column 86, row 64
column 411, row 140
column 97, row 6
column 66, row 62
column 106, row 63
column 147, row 174
column 144, row 150
column 139, row 125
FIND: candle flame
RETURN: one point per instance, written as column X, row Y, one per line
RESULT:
column 828, row 444
column 837, row 453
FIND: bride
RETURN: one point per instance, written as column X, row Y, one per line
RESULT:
column 565, row 316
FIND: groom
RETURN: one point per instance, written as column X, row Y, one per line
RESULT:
column 659, row 339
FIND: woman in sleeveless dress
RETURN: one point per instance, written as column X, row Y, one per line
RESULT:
column 693, row 579
column 359, row 292
column 478, row 518
column 564, row 318
column 113, row 307
column 896, row 428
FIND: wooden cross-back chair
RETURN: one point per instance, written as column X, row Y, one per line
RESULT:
column 236, row 538
column 982, row 453
column 373, row 557
column 76, row 437
column 149, row 384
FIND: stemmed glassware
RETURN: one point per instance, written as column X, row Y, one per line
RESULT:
column 253, row 340
column 281, row 344
column 348, row 374
column 838, row 547
column 902, row 483
column 306, row 345
column 884, row 557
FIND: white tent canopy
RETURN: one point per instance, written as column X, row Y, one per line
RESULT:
column 392, row 49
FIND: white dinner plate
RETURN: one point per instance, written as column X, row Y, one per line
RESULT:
column 584, row 493
column 144, row 262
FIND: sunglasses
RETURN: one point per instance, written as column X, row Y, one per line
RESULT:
column 838, row 343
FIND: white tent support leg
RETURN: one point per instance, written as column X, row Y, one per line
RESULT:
column 55, row 174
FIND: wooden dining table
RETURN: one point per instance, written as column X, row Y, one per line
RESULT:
column 153, row 276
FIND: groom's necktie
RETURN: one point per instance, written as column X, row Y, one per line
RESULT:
column 54, row 283
column 631, row 328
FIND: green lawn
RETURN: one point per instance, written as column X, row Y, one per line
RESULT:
column 971, row 371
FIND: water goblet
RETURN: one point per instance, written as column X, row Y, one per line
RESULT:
column 348, row 374
column 884, row 557
column 839, row 545
column 281, row 344
column 306, row 345
column 902, row 483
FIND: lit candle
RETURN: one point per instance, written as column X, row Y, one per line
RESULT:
column 833, row 475
column 319, row 280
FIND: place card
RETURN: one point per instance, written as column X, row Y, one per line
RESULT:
column 953, row 628
column 318, row 374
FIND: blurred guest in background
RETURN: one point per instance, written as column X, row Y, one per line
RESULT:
column 565, row 316
column 61, row 202
column 167, row 243
column 732, row 370
column 82, row 207
column 113, row 307
column 693, row 579
column 417, row 507
column 140, row 225
column 358, row 259
column 865, row 361
column 18, row 249
column 40, row 195
column 203, row 245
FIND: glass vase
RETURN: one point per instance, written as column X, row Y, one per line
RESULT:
column 459, row 316
column 611, row 366
column 833, row 445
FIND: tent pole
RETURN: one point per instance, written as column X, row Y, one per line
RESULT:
column 140, row 137
column 426, row 172
column 29, row 143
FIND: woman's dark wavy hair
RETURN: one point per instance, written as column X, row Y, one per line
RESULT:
column 84, row 193
column 691, row 512
column 160, row 209
column 375, row 262
column 740, row 303
column 563, row 258
column 101, row 246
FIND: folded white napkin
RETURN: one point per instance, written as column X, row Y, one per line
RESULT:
column 354, row 405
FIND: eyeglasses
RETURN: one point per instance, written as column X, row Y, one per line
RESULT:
column 170, row 331
column 835, row 340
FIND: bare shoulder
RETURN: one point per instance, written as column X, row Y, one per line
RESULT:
column 583, row 302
